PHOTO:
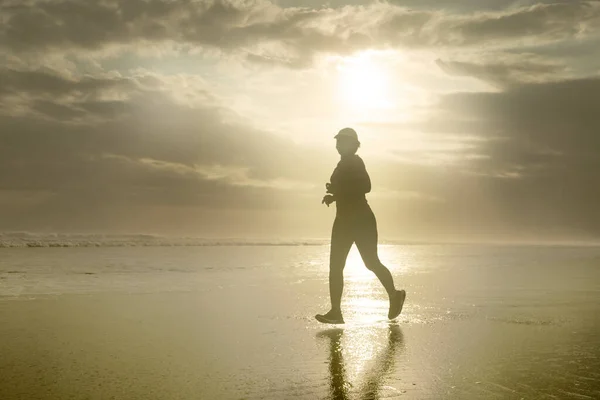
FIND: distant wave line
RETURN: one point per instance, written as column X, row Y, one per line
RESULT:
column 22, row 240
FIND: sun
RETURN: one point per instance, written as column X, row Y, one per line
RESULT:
column 363, row 82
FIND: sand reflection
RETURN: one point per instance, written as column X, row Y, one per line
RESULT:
column 373, row 378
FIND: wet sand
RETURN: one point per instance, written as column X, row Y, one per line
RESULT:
column 241, row 344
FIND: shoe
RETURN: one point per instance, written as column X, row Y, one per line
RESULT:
column 396, row 304
column 330, row 318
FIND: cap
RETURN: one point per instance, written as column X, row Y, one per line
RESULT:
column 347, row 132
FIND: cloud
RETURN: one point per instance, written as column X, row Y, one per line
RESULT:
column 528, row 163
column 230, row 175
column 81, row 144
column 504, row 70
column 538, row 22
column 84, row 147
column 542, row 142
column 268, row 33
column 64, row 98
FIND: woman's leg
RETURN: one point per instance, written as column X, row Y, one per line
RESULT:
column 366, row 241
column 341, row 242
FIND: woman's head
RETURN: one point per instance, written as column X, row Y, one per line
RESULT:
column 347, row 142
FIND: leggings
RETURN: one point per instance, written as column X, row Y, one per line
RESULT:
column 358, row 227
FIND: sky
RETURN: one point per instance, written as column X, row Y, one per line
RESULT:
column 477, row 118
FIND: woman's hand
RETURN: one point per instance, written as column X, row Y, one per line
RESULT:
column 328, row 199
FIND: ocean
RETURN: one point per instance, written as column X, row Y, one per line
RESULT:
column 235, row 321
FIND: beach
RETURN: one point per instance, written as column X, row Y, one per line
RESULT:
column 236, row 322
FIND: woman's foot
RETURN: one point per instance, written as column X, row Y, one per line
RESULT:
column 332, row 317
column 396, row 303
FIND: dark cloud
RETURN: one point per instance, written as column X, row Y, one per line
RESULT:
column 560, row 115
column 93, row 25
column 455, row 5
column 49, row 82
column 55, row 110
column 541, row 21
column 542, row 153
column 471, row 5
column 65, row 98
column 502, row 72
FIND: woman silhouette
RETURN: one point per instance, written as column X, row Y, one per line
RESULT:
column 354, row 223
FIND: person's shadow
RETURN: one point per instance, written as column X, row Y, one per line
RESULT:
column 369, row 390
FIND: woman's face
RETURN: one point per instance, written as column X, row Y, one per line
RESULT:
column 346, row 146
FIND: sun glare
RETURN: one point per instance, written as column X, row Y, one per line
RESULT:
column 363, row 83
